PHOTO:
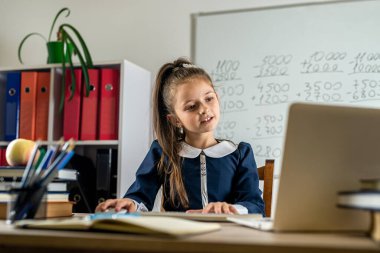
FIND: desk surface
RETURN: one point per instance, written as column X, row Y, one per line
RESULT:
column 231, row 238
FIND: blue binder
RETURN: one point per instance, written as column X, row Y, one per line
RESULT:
column 12, row 106
column 2, row 105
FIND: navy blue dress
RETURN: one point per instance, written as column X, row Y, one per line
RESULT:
column 229, row 175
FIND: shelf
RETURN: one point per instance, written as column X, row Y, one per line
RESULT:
column 49, row 66
column 3, row 143
column 134, row 135
column 77, row 143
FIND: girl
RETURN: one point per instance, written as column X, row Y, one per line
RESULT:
column 198, row 172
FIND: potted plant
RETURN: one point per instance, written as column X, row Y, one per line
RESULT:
column 62, row 51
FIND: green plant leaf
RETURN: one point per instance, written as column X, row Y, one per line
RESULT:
column 73, row 81
column 85, row 65
column 23, row 41
column 63, row 80
column 82, row 61
column 82, row 43
column 55, row 20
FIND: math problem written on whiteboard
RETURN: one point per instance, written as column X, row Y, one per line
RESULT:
column 262, row 60
column 345, row 81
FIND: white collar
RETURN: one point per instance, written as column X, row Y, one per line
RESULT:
column 221, row 149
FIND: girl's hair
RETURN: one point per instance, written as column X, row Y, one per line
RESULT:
column 169, row 137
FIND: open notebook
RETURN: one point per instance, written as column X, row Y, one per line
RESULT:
column 327, row 149
column 127, row 223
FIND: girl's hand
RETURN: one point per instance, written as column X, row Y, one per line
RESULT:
column 117, row 204
column 216, row 207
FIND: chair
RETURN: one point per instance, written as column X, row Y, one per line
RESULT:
column 266, row 174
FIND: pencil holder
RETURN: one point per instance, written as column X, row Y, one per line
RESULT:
column 26, row 203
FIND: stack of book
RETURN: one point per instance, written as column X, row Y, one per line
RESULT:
column 55, row 204
column 57, row 197
column 367, row 198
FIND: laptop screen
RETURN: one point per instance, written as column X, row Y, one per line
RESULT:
column 327, row 149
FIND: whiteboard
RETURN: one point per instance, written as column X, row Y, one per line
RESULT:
column 263, row 59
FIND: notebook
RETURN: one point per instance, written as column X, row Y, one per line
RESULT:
column 327, row 149
column 126, row 223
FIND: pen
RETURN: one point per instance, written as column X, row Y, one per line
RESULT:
column 56, row 152
column 46, row 179
column 43, row 164
column 62, row 159
column 29, row 167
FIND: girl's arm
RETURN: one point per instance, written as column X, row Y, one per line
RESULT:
column 246, row 188
column 142, row 193
column 144, row 190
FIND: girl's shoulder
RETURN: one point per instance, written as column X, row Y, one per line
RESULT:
column 155, row 143
column 237, row 149
column 155, row 147
column 244, row 145
column 239, row 146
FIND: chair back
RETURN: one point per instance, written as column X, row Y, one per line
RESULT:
column 266, row 174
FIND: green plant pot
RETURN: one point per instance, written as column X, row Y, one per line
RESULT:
column 55, row 52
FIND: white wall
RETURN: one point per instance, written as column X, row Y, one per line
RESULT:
column 146, row 32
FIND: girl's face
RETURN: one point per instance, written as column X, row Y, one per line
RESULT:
column 196, row 107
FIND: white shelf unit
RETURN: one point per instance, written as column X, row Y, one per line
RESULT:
column 134, row 135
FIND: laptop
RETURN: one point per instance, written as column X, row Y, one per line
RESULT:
column 327, row 149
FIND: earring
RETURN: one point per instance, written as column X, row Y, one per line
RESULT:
column 180, row 129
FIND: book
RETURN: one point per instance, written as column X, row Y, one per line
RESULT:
column 12, row 171
column 364, row 200
column 127, row 223
column 50, row 196
column 375, row 226
column 202, row 216
column 52, row 209
column 67, row 174
column 18, row 171
column 370, row 184
column 367, row 200
column 53, row 186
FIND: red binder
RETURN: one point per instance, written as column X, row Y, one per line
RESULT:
column 42, row 105
column 5, row 162
column 3, row 157
column 28, row 105
column 71, row 111
column 109, row 104
column 89, row 121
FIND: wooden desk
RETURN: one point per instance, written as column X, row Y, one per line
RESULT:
column 231, row 238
